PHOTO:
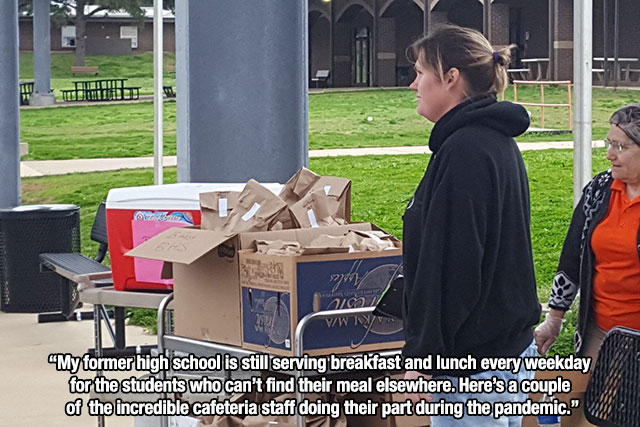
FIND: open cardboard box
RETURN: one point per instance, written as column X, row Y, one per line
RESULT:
column 205, row 268
column 279, row 290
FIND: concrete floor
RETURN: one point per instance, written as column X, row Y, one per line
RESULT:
column 32, row 392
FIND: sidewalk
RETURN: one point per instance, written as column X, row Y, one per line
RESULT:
column 32, row 392
column 61, row 167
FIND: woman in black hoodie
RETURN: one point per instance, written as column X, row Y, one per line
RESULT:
column 469, row 280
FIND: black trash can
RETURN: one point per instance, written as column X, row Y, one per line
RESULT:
column 25, row 233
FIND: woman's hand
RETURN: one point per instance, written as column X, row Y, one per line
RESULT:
column 416, row 397
column 547, row 332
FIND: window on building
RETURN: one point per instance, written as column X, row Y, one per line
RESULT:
column 68, row 36
column 130, row 32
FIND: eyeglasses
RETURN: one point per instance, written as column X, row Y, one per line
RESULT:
column 615, row 145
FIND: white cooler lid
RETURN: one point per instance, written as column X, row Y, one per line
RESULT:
column 170, row 196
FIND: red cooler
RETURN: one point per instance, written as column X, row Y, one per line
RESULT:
column 135, row 214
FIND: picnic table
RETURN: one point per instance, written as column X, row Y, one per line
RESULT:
column 606, row 66
column 537, row 65
column 101, row 90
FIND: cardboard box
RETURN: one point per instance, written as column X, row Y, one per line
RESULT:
column 204, row 266
column 278, row 291
column 579, row 383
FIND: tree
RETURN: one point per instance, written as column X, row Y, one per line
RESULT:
column 61, row 13
column 63, row 8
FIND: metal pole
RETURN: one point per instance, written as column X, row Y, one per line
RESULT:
column 582, row 57
column 550, row 74
column 9, row 107
column 605, row 19
column 616, row 39
column 42, row 94
column 158, row 177
column 486, row 21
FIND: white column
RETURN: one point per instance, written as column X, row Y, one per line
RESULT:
column 582, row 68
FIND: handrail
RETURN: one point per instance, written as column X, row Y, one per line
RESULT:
column 542, row 104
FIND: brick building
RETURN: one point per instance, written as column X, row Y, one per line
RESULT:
column 363, row 42
column 105, row 31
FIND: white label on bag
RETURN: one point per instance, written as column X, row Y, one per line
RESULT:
column 327, row 189
column 351, row 249
column 222, row 207
column 312, row 218
column 251, row 213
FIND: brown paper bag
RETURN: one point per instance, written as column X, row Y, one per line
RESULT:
column 256, row 210
column 326, row 245
column 370, row 240
column 215, row 207
column 338, row 189
column 277, row 247
column 298, row 186
column 316, row 209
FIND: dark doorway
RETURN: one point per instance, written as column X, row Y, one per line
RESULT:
column 362, row 57
column 515, row 35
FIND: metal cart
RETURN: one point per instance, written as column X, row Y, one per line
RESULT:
column 170, row 343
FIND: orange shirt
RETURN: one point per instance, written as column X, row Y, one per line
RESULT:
column 616, row 282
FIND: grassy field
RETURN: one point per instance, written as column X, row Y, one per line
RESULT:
column 336, row 120
column 382, row 186
column 138, row 69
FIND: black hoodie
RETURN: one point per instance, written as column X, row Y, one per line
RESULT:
column 469, row 280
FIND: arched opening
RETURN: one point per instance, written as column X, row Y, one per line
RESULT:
column 319, row 43
column 408, row 22
column 465, row 13
column 353, row 46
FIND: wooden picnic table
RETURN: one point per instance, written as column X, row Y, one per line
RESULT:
column 536, row 65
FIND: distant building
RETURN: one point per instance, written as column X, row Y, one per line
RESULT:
column 363, row 42
column 105, row 33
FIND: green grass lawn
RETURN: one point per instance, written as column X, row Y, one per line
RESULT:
column 382, row 186
column 336, row 120
column 138, row 69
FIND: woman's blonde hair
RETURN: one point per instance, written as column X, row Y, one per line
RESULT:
column 449, row 46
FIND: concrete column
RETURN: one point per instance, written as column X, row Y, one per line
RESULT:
column 9, row 107
column 242, row 78
column 563, row 40
column 42, row 94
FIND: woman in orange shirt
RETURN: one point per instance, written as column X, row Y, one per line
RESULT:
column 601, row 253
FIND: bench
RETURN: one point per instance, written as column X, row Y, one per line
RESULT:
column 74, row 265
column 322, row 76
column 629, row 72
column 171, row 68
column 168, row 91
column 84, row 70
column 599, row 74
column 518, row 74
